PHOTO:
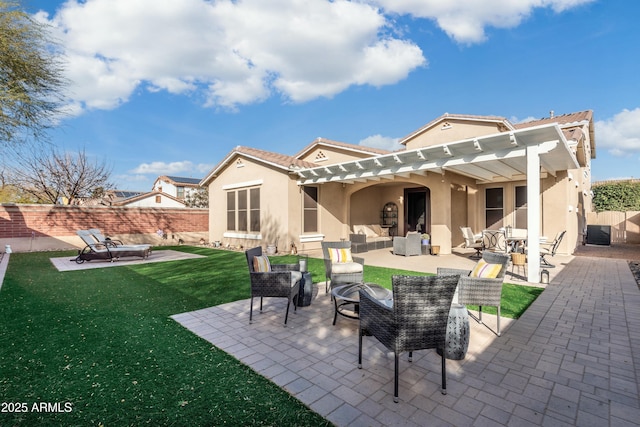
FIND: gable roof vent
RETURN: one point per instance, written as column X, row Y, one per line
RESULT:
column 320, row 157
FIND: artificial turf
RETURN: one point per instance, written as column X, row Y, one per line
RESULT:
column 98, row 347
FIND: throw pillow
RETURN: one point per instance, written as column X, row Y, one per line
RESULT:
column 486, row 270
column 261, row 264
column 339, row 256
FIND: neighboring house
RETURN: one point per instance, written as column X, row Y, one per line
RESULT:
column 176, row 186
column 457, row 170
column 167, row 192
column 153, row 199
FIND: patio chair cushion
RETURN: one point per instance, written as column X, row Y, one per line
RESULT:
column 346, row 268
column 296, row 276
column 340, row 255
column 261, row 263
column 486, row 270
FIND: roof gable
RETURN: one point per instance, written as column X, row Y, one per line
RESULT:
column 330, row 144
column 444, row 121
column 279, row 161
column 144, row 196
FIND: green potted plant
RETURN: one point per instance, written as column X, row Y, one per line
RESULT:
column 426, row 238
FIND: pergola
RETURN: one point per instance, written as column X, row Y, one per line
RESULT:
column 513, row 155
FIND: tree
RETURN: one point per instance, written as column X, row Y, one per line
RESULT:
column 31, row 81
column 59, row 178
column 197, row 199
column 9, row 193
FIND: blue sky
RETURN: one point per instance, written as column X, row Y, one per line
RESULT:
column 170, row 87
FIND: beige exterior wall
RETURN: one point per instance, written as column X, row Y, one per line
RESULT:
column 277, row 188
column 456, row 130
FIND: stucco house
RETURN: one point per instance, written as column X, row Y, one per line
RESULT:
column 167, row 192
column 152, row 199
column 457, row 170
column 177, row 186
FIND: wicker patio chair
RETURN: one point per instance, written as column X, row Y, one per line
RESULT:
column 337, row 274
column 481, row 291
column 417, row 320
column 282, row 280
column 409, row 245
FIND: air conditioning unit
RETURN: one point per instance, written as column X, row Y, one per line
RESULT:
column 599, row 235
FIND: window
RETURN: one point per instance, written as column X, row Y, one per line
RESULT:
column 310, row 209
column 243, row 210
column 254, row 213
column 158, row 199
column 494, row 212
column 180, row 192
column 231, row 210
column 521, row 207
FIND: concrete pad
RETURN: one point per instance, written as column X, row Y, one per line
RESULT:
column 68, row 263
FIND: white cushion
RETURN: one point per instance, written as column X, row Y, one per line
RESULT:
column 358, row 229
column 296, row 276
column 368, row 231
column 346, row 268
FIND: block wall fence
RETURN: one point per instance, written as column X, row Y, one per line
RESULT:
column 46, row 227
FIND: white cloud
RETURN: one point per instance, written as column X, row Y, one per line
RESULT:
column 620, row 134
column 226, row 53
column 173, row 168
column 383, row 142
column 465, row 20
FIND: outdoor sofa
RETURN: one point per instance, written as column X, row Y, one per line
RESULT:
column 369, row 237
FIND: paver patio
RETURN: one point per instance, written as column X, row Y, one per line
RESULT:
column 572, row 359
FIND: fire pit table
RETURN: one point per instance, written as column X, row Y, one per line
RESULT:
column 347, row 298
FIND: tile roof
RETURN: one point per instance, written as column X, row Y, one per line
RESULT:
column 275, row 158
column 569, row 124
column 563, row 119
column 280, row 160
column 345, row 145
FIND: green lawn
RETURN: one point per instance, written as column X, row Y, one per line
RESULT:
column 97, row 347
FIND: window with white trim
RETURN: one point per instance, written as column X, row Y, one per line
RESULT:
column 243, row 210
column 309, row 209
column 494, row 207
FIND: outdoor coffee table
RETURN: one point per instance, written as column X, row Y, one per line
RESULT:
column 347, row 298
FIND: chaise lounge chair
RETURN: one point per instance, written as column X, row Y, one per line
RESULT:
column 100, row 238
column 107, row 251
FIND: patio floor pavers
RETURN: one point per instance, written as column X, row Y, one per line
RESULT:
column 572, row 359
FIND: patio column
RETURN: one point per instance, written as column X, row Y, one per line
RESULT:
column 533, row 214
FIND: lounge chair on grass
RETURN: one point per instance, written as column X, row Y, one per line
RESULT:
column 106, row 251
